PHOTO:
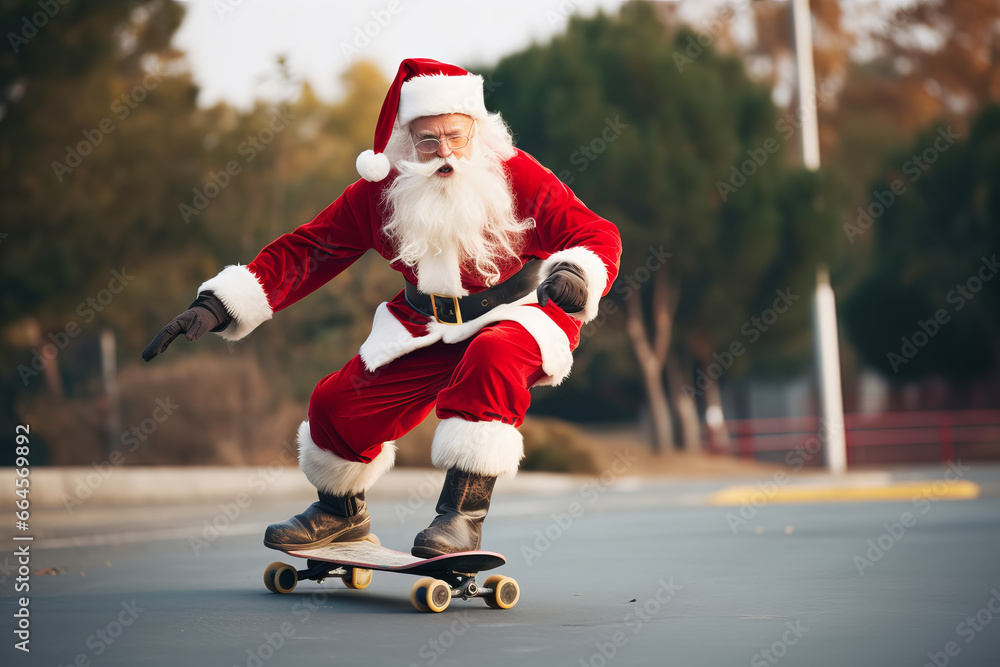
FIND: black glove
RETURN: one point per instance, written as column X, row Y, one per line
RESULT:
column 566, row 285
column 206, row 314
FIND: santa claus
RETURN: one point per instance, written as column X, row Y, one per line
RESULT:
column 502, row 265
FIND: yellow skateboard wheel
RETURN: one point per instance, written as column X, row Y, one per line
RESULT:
column 505, row 593
column 280, row 578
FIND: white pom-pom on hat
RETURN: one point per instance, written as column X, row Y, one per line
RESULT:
column 373, row 166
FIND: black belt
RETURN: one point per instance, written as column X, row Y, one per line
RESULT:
column 455, row 310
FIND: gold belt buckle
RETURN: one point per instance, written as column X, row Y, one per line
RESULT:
column 455, row 310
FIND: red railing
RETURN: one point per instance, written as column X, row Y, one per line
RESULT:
column 890, row 437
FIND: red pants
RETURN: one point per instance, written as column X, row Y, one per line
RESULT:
column 485, row 378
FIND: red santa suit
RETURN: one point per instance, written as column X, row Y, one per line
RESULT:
column 477, row 373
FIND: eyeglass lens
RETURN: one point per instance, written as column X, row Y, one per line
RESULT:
column 432, row 145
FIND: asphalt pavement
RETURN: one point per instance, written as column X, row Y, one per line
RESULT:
column 627, row 571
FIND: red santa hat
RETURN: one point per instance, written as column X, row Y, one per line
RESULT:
column 422, row 87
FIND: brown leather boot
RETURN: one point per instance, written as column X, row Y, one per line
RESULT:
column 330, row 519
column 464, row 502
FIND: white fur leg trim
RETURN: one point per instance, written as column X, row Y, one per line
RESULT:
column 339, row 477
column 486, row 448
column 244, row 298
column 594, row 270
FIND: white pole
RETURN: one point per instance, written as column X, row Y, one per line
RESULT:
column 802, row 30
column 109, row 370
column 832, row 432
column 831, row 402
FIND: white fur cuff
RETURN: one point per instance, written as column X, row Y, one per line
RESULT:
column 339, row 477
column 594, row 270
column 493, row 448
column 244, row 298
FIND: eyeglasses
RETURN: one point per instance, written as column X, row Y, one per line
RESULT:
column 453, row 141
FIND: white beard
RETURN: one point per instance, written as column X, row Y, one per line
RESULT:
column 440, row 224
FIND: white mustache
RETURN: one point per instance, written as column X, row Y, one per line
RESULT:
column 430, row 167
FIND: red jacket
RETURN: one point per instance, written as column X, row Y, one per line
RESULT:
column 297, row 263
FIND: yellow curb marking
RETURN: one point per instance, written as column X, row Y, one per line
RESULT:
column 941, row 490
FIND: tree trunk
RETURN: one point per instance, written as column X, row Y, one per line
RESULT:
column 687, row 409
column 50, row 370
column 715, row 417
column 659, row 408
column 651, row 352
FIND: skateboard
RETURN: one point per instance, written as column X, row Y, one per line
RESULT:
column 441, row 578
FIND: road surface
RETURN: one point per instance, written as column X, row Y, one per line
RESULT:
column 629, row 573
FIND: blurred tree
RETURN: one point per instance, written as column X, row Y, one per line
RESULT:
column 119, row 196
column 946, row 54
column 83, row 148
column 308, row 169
column 930, row 303
column 678, row 147
column 912, row 64
column 91, row 128
column 93, row 143
column 883, row 71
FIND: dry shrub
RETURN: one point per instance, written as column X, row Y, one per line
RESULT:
column 414, row 448
column 211, row 411
column 549, row 444
column 554, row 445
column 73, row 432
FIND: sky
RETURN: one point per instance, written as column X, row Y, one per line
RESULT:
column 232, row 45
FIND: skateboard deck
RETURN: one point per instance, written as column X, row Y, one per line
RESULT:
column 442, row 577
column 370, row 556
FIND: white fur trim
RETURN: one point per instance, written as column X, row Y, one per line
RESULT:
column 557, row 359
column 492, row 448
column 440, row 274
column 594, row 270
column 373, row 166
column 390, row 340
column 339, row 477
column 244, row 298
column 437, row 94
